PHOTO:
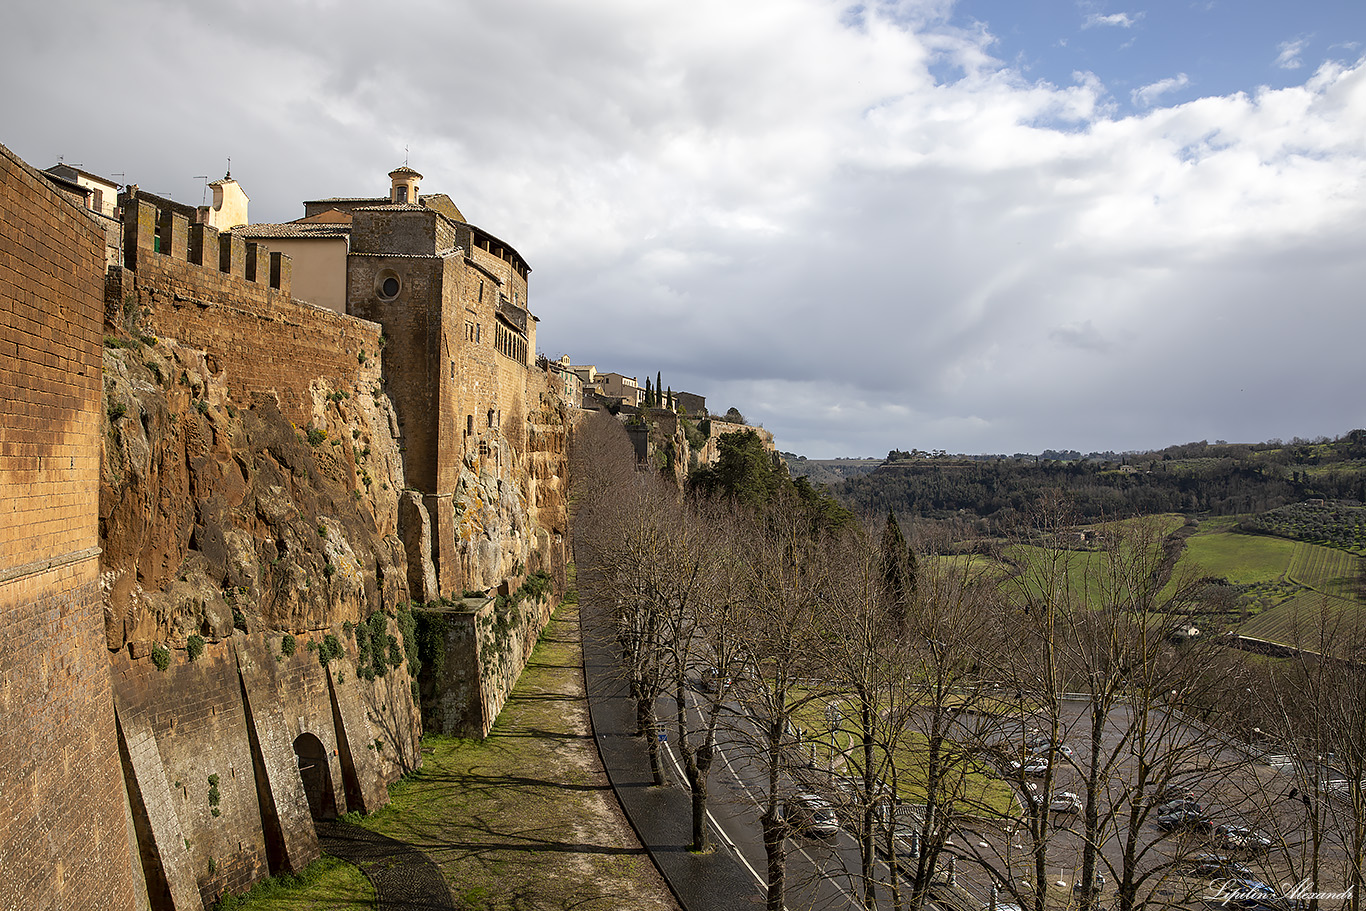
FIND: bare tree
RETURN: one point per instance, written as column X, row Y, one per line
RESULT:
column 788, row 583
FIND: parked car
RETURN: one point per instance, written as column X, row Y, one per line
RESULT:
column 1042, row 749
column 1241, row 838
column 1246, row 892
column 1037, row 765
column 1173, row 806
column 812, row 814
column 1209, row 864
column 1185, row 818
column 1065, row 802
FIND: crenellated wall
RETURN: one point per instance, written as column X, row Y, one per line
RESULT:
column 231, row 298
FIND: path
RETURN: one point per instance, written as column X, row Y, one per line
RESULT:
column 404, row 878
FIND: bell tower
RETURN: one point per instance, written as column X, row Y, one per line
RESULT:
column 403, row 189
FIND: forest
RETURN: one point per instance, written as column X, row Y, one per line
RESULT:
column 1218, row 479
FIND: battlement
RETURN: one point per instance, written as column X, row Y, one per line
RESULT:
column 155, row 235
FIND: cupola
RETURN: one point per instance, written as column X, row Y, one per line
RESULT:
column 404, row 187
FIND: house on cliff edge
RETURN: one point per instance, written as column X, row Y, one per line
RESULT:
column 458, row 359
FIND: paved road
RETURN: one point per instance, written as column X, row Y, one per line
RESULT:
column 661, row 816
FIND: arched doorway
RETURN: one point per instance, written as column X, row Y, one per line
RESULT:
column 316, row 775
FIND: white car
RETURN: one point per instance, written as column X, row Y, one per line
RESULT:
column 1037, row 765
column 811, row 813
column 1065, row 802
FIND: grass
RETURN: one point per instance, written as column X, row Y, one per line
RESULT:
column 325, row 884
column 1301, row 620
column 1324, row 569
column 524, row 818
column 1239, row 558
column 973, row 788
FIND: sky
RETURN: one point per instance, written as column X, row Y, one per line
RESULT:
column 970, row 225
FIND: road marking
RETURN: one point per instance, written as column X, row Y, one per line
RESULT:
column 716, row 825
column 758, row 803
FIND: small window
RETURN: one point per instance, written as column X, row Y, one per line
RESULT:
column 490, row 417
column 481, row 292
column 469, row 424
column 401, row 194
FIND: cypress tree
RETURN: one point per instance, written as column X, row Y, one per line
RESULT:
column 898, row 572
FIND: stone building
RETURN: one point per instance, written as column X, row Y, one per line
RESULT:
column 623, row 388
column 460, row 346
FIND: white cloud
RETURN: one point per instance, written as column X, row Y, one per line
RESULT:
column 1288, row 56
column 1123, row 20
column 780, row 207
column 1148, row 95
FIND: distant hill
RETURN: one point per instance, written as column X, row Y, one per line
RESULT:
column 827, row 472
column 1215, row 479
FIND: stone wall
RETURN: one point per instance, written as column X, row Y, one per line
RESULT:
column 485, row 645
column 213, row 747
column 710, row 453
column 250, row 491
column 63, row 819
column 464, row 407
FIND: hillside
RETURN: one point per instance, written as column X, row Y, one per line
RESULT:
column 1218, row 479
column 825, row 472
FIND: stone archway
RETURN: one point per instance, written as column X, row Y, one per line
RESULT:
column 316, row 776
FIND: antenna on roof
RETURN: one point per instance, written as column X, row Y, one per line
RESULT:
column 405, row 156
column 204, row 199
column 229, row 174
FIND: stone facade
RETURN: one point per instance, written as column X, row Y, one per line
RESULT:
column 452, row 299
column 64, row 822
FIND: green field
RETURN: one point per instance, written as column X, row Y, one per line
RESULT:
column 977, row 791
column 1294, row 588
column 1241, row 559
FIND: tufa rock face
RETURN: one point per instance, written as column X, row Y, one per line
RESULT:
column 215, row 514
column 510, row 510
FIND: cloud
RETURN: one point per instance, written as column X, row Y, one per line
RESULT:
column 1148, row 95
column 1288, row 56
column 1123, row 20
column 1083, row 335
column 781, row 207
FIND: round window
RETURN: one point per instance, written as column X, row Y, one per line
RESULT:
column 388, row 284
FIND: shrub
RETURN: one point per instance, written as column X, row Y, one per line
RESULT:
column 117, row 410
column 161, row 656
column 331, row 648
column 316, row 436
column 194, row 646
column 287, row 645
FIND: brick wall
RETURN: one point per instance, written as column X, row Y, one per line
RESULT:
column 63, row 819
